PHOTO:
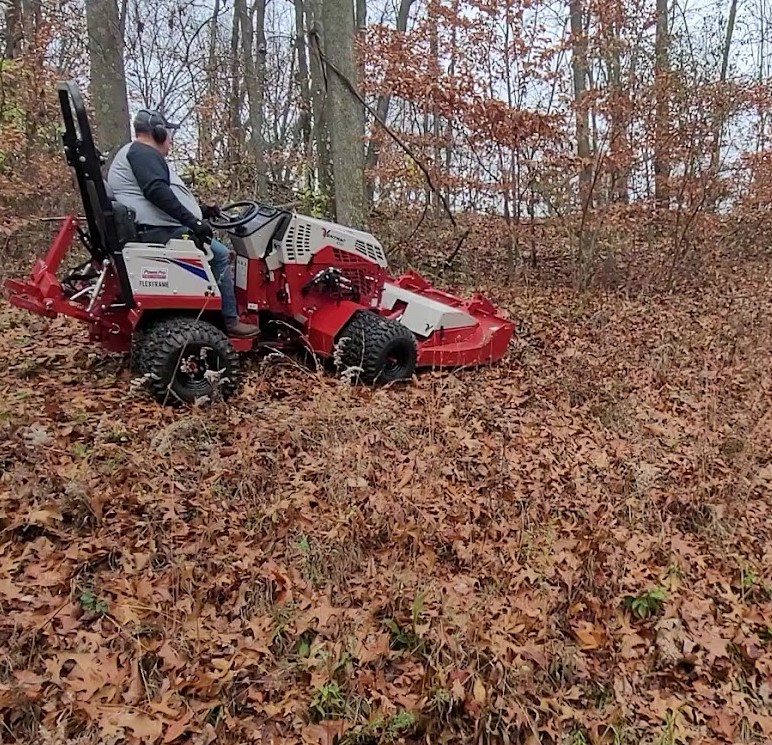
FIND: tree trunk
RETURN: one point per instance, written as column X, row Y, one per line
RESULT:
column 579, row 67
column 318, row 103
column 345, row 114
column 662, row 116
column 108, row 76
column 720, row 114
column 619, row 186
column 206, row 117
column 254, row 81
column 434, row 52
column 449, row 121
column 382, row 107
column 14, row 32
column 304, row 119
column 360, row 18
column 32, row 15
column 235, row 130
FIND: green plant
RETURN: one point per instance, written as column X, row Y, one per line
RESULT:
column 327, row 702
column 381, row 730
column 647, row 603
column 91, row 602
column 313, row 202
column 407, row 638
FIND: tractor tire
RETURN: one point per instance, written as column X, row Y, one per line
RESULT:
column 137, row 352
column 379, row 349
column 175, row 353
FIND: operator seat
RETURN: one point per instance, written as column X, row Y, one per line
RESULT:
column 124, row 219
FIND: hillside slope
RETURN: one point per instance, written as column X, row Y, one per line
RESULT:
column 571, row 547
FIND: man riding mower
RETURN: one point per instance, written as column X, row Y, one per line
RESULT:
column 156, row 283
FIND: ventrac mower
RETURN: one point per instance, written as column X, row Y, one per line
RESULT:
column 306, row 282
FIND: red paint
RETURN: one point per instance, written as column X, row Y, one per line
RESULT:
column 185, row 302
column 325, row 323
column 42, row 292
column 482, row 343
column 281, row 293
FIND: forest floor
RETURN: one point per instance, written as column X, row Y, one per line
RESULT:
column 573, row 546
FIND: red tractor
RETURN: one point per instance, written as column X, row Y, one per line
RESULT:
column 308, row 284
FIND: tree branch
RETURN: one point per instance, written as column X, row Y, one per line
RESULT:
column 354, row 92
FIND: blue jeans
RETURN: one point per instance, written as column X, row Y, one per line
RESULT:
column 220, row 263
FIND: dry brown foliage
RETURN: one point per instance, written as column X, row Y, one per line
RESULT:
column 570, row 547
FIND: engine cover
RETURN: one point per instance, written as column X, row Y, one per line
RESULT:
column 306, row 236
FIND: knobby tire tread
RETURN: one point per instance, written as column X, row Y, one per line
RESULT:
column 367, row 334
column 167, row 337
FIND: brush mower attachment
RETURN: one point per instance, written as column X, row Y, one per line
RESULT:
column 450, row 332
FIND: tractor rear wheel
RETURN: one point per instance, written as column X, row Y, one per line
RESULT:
column 187, row 359
column 382, row 350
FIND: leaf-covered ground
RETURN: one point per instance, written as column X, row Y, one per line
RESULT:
column 570, row 547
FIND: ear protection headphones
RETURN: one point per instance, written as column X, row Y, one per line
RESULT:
column 156, row 124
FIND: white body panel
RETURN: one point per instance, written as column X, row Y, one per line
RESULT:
column 261, row 238
column 307, row 235
column 176, row 268
column 424, row 315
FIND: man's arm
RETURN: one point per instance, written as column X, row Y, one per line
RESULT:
column 152, row 175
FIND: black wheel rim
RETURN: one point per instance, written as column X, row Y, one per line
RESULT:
column 396, row 362
column 393, row 364
column 195, row 361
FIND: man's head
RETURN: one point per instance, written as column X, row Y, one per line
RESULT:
column 151, row 126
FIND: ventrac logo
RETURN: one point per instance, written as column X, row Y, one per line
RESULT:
column 329, row 234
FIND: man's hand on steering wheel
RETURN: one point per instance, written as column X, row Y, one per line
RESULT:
column 210, row 211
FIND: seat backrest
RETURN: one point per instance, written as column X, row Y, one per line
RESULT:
column 110, row 224
column 98, row 213
column 123, row 219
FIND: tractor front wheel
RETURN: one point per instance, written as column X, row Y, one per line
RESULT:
column 187, row 359
column 378, row 349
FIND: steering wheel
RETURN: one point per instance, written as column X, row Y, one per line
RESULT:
column 229, row 222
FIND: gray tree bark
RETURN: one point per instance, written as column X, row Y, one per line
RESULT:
column 13, row 29
column 206, row 125
column 662, row 113
column 303, row 131
column 319, row 102
column 108, row 76
column 720, row 116
column 235, row 130
column 345, row 114
column 254, row 46
column 579, row 68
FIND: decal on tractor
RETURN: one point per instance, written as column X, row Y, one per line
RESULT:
column 296, row 290
column 154, row 277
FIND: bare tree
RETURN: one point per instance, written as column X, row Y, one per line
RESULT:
column 382, row 107
column 579, row 68
column 720, row 114
column 206, row 125
column 254, row 46
column 13, row 28
column 345, row 113
column 108, row 76
column 319, row 101
column 662, row 115
column 303, row 130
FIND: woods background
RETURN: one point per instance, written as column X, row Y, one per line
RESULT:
column 618, row 137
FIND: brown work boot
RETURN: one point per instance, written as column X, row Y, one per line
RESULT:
column 237, row 328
